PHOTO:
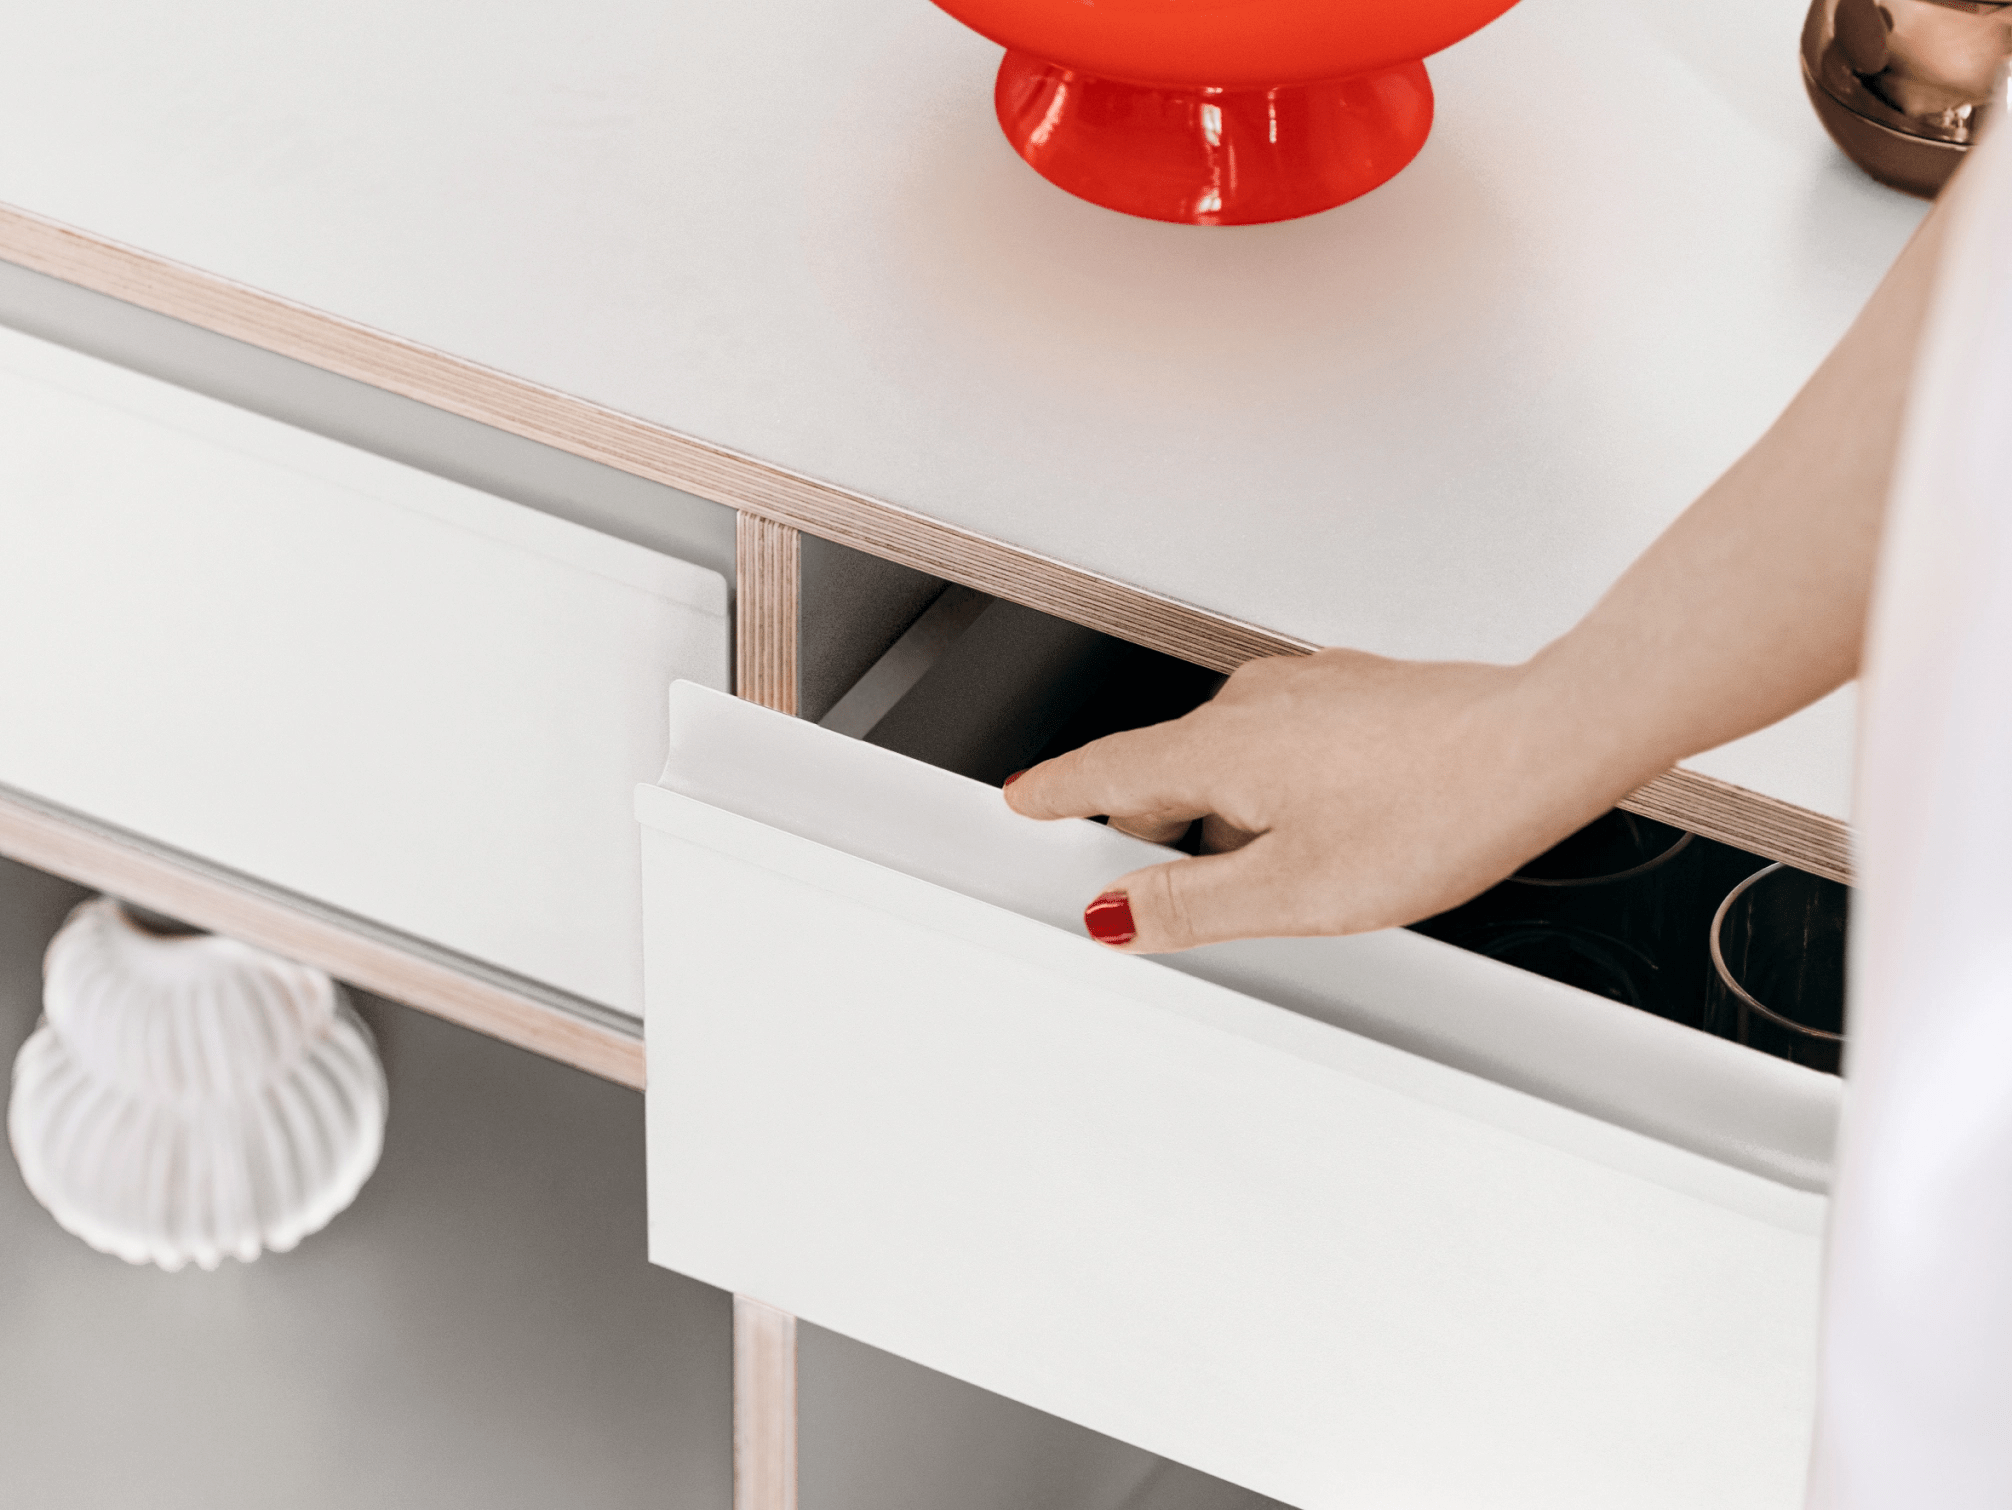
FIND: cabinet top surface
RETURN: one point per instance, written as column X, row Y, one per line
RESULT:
column 1436, row 421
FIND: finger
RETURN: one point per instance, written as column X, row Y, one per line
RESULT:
column 1184, row 903
column 1154, row 828
column 1219, row 835
column 1146, row 772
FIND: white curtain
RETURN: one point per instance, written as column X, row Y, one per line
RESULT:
column 1916, row 1400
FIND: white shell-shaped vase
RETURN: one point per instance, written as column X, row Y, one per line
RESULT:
column 190, row 1098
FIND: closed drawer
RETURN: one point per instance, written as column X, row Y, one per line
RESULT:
column 332, row 672
column 1206, row 1210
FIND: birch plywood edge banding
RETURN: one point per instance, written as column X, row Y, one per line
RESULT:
column 352, row 950
column 1748, row 820
column 764, row 493
column 767, row 584
column 765, row 1425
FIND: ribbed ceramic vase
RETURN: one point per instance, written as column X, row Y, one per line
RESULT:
column 188, row 1098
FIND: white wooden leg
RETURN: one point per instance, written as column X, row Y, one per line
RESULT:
column 764, row 1406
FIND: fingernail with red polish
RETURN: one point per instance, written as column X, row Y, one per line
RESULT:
column 1011, row 779
column 1109, row 919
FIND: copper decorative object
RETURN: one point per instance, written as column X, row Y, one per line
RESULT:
column 1903, row 85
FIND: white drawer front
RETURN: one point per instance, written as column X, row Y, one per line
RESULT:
column 1300, row 1260
column 392, row 693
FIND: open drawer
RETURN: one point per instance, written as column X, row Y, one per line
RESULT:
column 331, row 672
column 1351, row 1222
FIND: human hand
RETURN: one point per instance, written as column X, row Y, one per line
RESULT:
column 1342, row 792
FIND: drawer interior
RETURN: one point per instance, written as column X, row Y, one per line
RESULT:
column 1625, row 909
column 985, row 688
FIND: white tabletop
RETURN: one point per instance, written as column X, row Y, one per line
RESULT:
column 1437, row 421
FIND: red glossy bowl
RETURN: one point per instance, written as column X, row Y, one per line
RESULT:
column 1218, row 112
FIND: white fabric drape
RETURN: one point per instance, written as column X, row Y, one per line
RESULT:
column 1916, row 1394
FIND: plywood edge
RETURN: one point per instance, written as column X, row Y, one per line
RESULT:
column 762, row 491
column 768, row 580
column 364, row 954
column 765, row 1407
column 1747, row 819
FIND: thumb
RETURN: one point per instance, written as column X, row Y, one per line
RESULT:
column 1206, row 900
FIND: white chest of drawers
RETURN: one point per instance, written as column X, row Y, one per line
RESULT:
column 394, row 725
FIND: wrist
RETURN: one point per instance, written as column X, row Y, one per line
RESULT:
column 1582, row 736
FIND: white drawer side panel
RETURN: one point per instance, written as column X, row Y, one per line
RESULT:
column 394, row 694
column 1185, row 1218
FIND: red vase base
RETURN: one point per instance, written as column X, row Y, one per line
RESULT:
column 1213, row 156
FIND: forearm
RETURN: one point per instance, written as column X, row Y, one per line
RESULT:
column 1753, row 603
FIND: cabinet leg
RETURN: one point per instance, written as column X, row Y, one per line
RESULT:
column 764, row 1407
column 765, row 631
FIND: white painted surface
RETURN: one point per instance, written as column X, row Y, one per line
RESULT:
column 1437, row 421
column 1262, row 1245
column 333, row 672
